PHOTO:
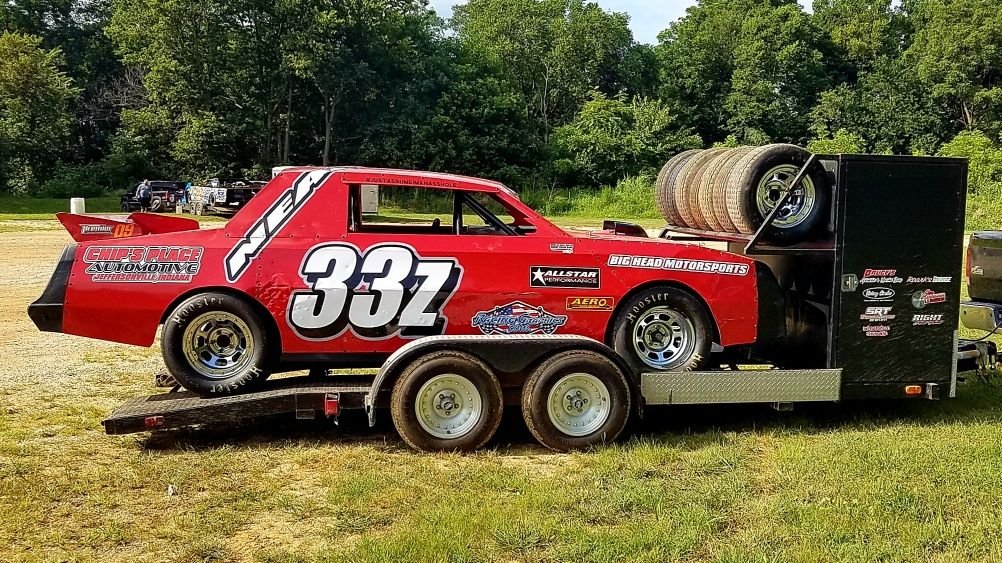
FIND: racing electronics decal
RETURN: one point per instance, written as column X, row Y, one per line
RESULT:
column 386, row 291
column 518, row 318
column 573, row 278
column 265, row 228
column 142, row 264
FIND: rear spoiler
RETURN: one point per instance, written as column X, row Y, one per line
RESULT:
column 85, row 228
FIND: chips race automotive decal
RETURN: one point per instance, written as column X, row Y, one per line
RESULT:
column 930, row 279
column 561, row 247
column 265, row 228
column 142, row 264
column 386, row 291
column 556, row 276
column 927, row 320
column 872, row 294
column 697, row 266
column 590, row 303
column 877, row 314
column 518, row 318
column 920, row 299
column 871, row 275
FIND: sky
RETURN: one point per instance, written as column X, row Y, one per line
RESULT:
column 648, row 18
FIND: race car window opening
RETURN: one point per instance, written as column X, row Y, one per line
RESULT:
column 479, row 220
column 401, row 210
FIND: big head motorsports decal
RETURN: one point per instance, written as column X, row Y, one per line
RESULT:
column 389, row 290
column 557, row 276
column 696, row 266
column 269, row 224
column 143, row 264
column 518, row 317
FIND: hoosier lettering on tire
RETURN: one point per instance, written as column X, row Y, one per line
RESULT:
column 664, row 329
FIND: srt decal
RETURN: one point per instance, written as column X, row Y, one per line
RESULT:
column 554, row 276
column 518, row 318
column 930, row 279
column 590, row 303
column 922, row 298
column 153, row 264
column 698, row 266
column 386, row 291
column 878, row 331
column 877, row 314
column 562, row 247
column 927, row 320
column 880, row 276
column 878, row 294
column 261, row 233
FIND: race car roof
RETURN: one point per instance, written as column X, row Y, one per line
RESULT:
column 411, row 178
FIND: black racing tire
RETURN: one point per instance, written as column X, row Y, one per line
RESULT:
column 464, row 384
column 663, row 329
column 576, row 399
column 221, row 330
column 685, row 188
column 156, row 204
column 666, row 185
column 755, row 181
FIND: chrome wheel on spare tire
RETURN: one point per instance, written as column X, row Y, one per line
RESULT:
column 797, row 208
column 576, row 399
column 664, row 329
column 215, row 343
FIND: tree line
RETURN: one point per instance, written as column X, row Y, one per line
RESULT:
column 537, row 93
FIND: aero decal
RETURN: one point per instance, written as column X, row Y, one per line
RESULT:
column 261, row 233
column 386, row 291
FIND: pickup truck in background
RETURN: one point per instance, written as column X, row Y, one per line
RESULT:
column 984, row 282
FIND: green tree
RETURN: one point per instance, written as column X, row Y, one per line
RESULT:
column 610, row 139
column 35, row 118
column 985, row 160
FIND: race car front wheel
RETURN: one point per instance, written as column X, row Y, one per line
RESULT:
column 214, row 343
column 663, row 329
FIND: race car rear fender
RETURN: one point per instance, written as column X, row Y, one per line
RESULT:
column 647, row 287
column 270, row 323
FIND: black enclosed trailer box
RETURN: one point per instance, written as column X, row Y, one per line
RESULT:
column 878, row 293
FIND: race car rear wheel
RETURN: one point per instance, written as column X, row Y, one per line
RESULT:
column 576, row 399
column 663, row 329
column 214, row 343
column 446, row 401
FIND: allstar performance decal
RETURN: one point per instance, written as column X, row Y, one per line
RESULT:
column 572, row 278
column 143, row 264
column 265, row 229
column 679, row 265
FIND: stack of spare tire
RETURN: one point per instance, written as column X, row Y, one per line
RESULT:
column 733, row 190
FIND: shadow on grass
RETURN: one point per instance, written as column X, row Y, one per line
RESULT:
column 688, row 427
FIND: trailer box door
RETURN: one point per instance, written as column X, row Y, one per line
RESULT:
column 899, row 254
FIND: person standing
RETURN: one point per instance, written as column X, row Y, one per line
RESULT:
column 144, row 194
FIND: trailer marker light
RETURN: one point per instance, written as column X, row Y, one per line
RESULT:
column 913, row 390
column 153, row 422
column 332, row 404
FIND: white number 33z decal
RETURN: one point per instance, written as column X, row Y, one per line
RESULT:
column 387, row 290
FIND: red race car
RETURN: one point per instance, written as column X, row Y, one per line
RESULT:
column 301, row 277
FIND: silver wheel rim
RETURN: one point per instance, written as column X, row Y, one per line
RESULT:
column 448, row 406
column 218, row 344
column 578, row 404
column 663, row 338
column 798, row 206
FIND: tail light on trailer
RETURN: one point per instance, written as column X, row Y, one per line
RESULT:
column 332, row 404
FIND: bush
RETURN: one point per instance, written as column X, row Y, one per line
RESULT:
column 113, row 174
column 844, row 142
column 631, row 198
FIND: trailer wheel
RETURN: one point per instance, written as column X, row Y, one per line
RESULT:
column 576, row 399
column 664, row 329
column 446, row 401
column 755, row 187
column 215, row 344
column 666, row 185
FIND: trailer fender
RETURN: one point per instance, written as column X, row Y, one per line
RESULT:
column 503, row 353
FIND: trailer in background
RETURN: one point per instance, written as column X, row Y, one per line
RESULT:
column 221, row 196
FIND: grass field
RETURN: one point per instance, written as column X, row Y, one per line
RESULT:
column 916, row 481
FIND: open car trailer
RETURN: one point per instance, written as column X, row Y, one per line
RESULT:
column 870, row 310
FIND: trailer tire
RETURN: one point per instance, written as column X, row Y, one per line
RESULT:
column 666, row 185
column 647, row 319
column 215, row 344
column 576, row 399
column 465, row 385
column 754, row 186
